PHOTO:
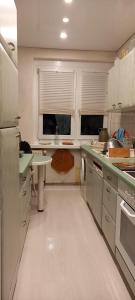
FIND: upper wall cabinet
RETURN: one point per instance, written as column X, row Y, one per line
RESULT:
column 113, row 88
column 121, row 83
column 8, row 27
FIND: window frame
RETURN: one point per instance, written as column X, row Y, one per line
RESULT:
column 52, row 136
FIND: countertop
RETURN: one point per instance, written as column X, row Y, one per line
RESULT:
column 24, row 162
column 107, row 162
column 40, row 160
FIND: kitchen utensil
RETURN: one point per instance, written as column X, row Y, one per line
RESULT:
column 103, row 135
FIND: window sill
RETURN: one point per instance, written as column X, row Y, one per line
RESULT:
column 52, row 145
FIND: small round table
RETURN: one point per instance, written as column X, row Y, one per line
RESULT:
column 40, row 161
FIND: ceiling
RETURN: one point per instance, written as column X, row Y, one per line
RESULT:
column 94, row 24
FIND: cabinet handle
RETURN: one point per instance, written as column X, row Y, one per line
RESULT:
column 109, row 177
column 108, row 190
column 24, row 193
column 24, row 223
column 107, row 219
column 11, row 46
column 18, row 118
column 17, row 135
column 114, row 106
column 128, row 194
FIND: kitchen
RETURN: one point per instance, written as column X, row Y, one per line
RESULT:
column 69, row 251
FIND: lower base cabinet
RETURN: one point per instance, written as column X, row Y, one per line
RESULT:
column 94, row 188
column 104, row 206
column 109, row 213
column 25, row 197
column 108, row 228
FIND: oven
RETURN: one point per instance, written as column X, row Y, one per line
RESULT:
column 125, row 229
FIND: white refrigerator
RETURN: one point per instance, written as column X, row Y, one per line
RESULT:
column 9, row 174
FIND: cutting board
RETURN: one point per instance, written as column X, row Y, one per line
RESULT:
column 119, row 152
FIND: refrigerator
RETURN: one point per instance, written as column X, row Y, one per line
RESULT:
column 9, row 174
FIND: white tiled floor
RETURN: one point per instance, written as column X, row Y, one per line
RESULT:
column 65, row 256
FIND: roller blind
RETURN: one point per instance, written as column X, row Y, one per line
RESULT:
column 93, row 92
column 56, row 92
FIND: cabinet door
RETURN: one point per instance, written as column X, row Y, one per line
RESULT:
column 25, row 197
column 97, row 197
column 126, row 79
column 113, row 87
column 8, row 91
column 8, row 26
column 110, row 199
column 110, row 98
column 108, row 227
column 89, row 186
column 9, row 193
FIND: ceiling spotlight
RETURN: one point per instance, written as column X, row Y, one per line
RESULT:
column 68, row 1
column 65, row 20
column 63, row 35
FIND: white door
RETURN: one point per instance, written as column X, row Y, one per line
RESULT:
column 8, row 91
column 9, row 195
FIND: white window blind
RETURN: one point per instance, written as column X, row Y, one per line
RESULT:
column 56, row 92
column 93, row 92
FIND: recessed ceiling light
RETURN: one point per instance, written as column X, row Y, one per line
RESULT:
column 65, row 20
column 63, row 35
column 68, row 1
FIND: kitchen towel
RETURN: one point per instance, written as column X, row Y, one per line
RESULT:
column 120, row 134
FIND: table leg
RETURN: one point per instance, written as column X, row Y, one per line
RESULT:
column 40, row 188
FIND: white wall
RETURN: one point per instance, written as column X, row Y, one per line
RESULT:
column 125, row 120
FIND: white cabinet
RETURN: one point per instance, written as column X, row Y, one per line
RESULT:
column 8, row 91
column 94, row 194
column 8, row 27
column 25, row 197
column 121, row 83
column 109, row 207
column 97, row 197
column 126, row 79
column 89, row 184
column 113, row 88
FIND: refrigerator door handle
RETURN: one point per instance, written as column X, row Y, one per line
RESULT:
column 18, row 118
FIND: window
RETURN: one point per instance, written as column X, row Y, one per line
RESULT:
column 71, row 98
column 90, row 124
column 56, row 124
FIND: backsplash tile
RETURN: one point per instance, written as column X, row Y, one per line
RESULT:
column 123, row 119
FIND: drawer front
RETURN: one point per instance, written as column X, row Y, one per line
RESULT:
column 110, row 177
column 108, row 227
column 110, row 199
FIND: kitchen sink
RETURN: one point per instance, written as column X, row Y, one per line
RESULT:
column 130, row 173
